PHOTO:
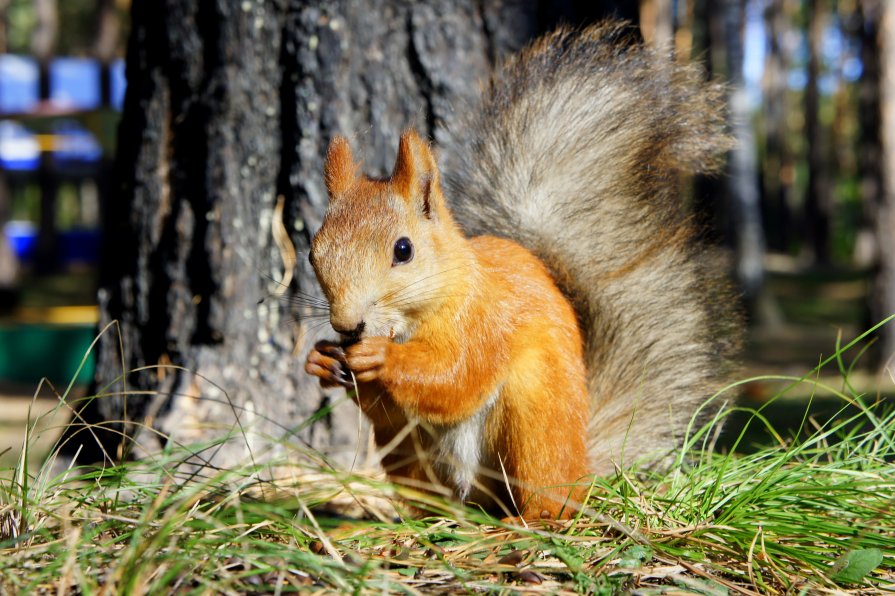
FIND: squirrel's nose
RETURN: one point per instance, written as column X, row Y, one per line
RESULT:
column 352, row 334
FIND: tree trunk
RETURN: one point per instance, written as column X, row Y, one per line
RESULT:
column 743, row 182
column 9, row 264
column 43, row 44
column 885, row 221
column 229, row 110
column 657, row 22
column 4, row 25
column 818, row 199
column 869, row 144
column 778, row 168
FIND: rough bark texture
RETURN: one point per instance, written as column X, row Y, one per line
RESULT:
column 230, row 105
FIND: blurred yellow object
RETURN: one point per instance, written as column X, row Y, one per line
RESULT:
column 47, row 142
column 57, row 315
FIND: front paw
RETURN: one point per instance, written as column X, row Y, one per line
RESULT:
column 327, row 361
column 367, row 358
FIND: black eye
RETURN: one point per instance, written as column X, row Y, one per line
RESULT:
column 403, row 251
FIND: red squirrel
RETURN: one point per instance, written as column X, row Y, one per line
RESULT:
column 580, row 328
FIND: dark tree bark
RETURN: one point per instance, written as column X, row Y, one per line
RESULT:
column 230, row 106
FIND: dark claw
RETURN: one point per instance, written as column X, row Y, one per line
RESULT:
column 330, row 349
column 344, row 378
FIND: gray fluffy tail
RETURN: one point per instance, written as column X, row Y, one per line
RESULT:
column 576, row 154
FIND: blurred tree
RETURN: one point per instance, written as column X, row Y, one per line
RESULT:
column 778, row 170
column 870, row 143
column 818, row 197
column 707, row 44
column 4, row 26
column 77, row 36
column 43, row 45
column 885, row 220
column 107, row 26
column 228, row 113
column 657, row 22
column 743, row 194
column 9, row 264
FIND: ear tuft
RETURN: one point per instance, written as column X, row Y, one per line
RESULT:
column 416, row 173
column 339, row 170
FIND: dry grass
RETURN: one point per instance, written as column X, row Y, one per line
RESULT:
column 804, row 516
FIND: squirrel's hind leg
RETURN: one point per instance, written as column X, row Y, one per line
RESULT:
column 543, row 423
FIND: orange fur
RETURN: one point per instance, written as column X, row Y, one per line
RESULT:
column 485, row 343
column 470, row 361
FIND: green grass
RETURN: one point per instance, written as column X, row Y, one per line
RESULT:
column 810, row 513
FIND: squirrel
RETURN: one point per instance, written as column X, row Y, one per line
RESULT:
column 545, row 311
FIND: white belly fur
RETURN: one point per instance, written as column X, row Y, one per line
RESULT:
column 460, row 448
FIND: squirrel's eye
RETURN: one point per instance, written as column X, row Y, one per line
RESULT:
column 403, row 251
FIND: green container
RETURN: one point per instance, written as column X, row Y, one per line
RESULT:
column 31, row 351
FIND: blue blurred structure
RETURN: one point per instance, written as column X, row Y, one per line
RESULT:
column 19, row 149
column 22, row 237
column 66, row 149
column 75, row 149
column 19, row 83
column 75, row 83
column 117, row 84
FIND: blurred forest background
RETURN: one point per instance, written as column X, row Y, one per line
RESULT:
column 173, row 207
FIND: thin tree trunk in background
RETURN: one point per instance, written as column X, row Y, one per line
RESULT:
column 229, row 110
column 9, row 264
column 710, row 204
column 778, row 168
column 46, row 29
column 885, row 221
column 4, row 25
column 818, row 199
column 657, row 22
column 870, row 144
column 105, row 48
column 43, row 45
column 743, row 189
column 108, row 31
column 683, row 34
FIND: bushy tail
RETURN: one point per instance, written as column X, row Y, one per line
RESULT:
column 576, row 154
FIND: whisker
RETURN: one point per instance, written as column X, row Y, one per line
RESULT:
column 398, row 291
column 304, row 302
column 436, row 285
column 432, row 292
column 413, row 301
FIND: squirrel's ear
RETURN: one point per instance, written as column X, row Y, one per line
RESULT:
column 339, row 170
column 416, row 173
